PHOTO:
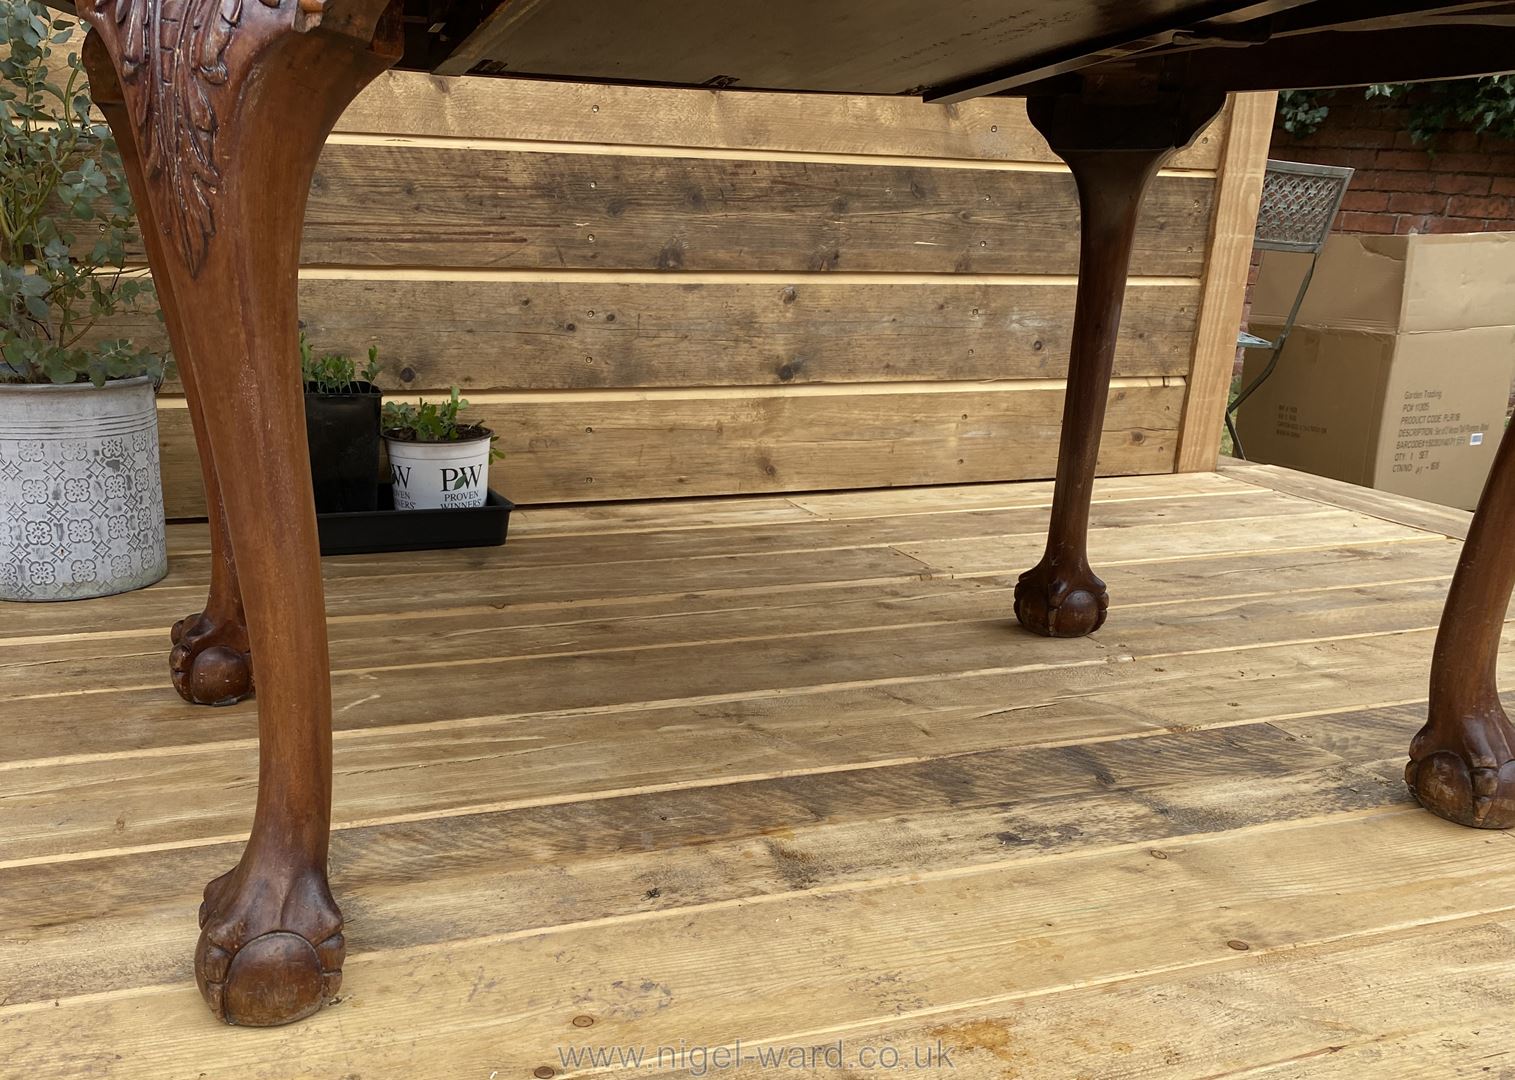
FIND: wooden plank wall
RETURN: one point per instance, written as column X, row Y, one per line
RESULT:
column 657, row 293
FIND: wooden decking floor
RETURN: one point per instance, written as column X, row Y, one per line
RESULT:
column 782, row 772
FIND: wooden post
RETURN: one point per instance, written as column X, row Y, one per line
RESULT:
column 1249, row 129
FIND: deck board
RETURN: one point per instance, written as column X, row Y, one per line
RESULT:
column 782, row 770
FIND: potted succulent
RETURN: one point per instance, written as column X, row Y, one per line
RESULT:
column 81, row 498
column 342, row 427
column 435, row 461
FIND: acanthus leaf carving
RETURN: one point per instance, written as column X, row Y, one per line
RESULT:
column 172, row 59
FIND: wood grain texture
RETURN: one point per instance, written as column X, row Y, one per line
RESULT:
column 652, row 445
column 460, row 635
column 867, row 184
column 495, row 867
column 397, row 205
column 563, row 616
column 76, row 807
column 568, row 334
column 676, row 736
column 835, row 958
column 1447, row 520
column 1462, row 763
column 1237, row 194
column 987, row 129
column 828, row 211
column 1326, row 1011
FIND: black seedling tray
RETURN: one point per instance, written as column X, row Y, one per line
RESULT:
column 365, row 532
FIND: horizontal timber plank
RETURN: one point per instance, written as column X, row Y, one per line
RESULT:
column 436, row 880
column 769, row 733
column 686, row 549
column 987, row 129
column 1377, row 738
column 879, row 502
column 98, row 803
column 836, row 959
column 519, row 633
column 150, row 716
column 1323, row 530
column 742, row 512
column 455, row 636
column 1422, row 1000
column 566, row 449
column 425, row 206
column 350, row 587
column 568, row 596
column 1448, row 520
column 563, row 573
column 434, row 333
column 539, row 110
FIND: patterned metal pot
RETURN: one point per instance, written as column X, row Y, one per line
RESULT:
column 81, row 498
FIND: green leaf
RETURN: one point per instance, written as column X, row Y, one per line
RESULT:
column 61, row 181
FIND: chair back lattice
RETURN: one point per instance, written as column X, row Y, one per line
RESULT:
column 1299, row 203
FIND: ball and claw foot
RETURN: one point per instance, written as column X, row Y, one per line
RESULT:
column 268, row 955
column 1464, row 770
column 210, row 663
column 1061, row 602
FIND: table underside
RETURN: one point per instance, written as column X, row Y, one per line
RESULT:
column 955, row 49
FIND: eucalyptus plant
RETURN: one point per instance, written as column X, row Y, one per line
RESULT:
column 430, row 422
column 66, row 216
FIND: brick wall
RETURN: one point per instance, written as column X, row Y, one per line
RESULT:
column 1466, row 185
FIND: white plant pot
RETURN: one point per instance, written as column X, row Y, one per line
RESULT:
column 439, row 475
column 81, row 499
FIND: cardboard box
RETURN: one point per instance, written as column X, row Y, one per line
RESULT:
column 1397, row 374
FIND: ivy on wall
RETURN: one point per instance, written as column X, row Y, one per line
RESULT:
column 1477, row 105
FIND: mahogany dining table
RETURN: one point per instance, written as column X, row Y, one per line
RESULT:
column 221, row 107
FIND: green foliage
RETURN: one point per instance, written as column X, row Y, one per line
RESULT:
column 65, row 215
column 427, row 421
column 1478, row 105
column 334, row 373
column 1301, row 112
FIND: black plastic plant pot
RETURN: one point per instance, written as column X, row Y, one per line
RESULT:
column 343, row 432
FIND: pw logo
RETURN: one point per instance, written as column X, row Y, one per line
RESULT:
column 458, row 479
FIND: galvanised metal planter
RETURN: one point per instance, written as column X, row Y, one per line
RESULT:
column 81, row 498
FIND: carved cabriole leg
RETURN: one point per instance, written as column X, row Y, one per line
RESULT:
column 1114, row 149
column 210, row 663
column 226, row 104
column 1462, row 762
